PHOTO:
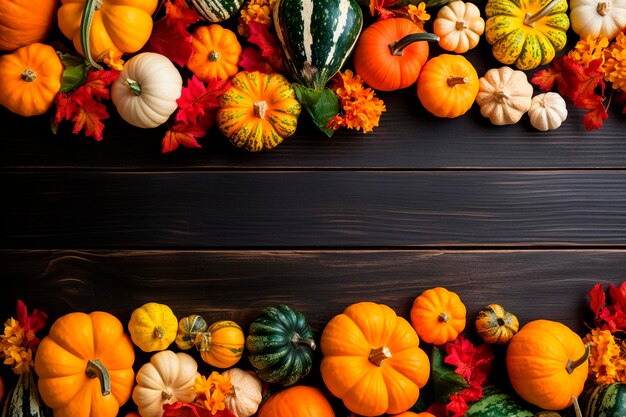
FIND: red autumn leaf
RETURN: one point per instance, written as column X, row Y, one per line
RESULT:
column 31, row 324
column 618, row 296
column 580, row 82
column 65, row 108
column 597, row 298
column 457, row 407
column 473, row 363
column 89, row 117
column 267, row 42
column 547, row 78
column 179, row 13
column 181, row 409
column 596, row 115
column 252, row 60
column 182, row 134
column 196, row 99
column 96, row 84
column 172, row 41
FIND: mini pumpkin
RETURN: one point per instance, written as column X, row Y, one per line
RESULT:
column 496, row 325
column 152, row 327
column 459, row 26
column 372, row 360
column 188, row 328
column 390, row 53
column 167, row 378
column 246, row 394
column 222, row 344
column 504, row 95
column 146, row 90
column 31, row 79
column 438, row 315
column 298, row 401
column 215, row 53
column 547, row 364
column 23, row 22
column 527, row 33
column 547, row 111
column 258, row 111
column 447, row 85
column 598, row 17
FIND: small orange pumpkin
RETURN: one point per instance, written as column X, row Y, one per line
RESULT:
column 23, row 22
column 222, row 344
column 447, row 85
column 216, row 53
column 438, row 315
column 297, row 401
column 31, row 79
column 388, row 55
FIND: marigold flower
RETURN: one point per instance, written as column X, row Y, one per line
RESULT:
column 212, row 391
column 114, row 59
column 588, row 49
column 255, row 11
column 615, row 62
column 607, row 360
column 418, row 14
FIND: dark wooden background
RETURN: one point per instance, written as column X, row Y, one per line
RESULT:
column 509, row 215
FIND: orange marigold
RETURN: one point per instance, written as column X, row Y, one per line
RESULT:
column 212, row 391
column 589, row 49
column 607, row 360
column 255, row 11
column 360, row 109
column 615, row 62
column 418, row 14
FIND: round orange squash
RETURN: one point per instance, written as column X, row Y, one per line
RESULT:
column 216, row 53
column 297, row 401
column 23, row 22
column 85, row 365
column 438, row 315
column 372, row 360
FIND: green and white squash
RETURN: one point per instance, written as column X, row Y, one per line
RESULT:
column 215, row 10
column 188, row 329
column 280, row 345
column 317, row 37
column 608, row 400
column 496, row 403
column 24, row 399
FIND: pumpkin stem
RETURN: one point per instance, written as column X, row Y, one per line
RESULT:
column 159, row 332
column 577, row 409
column 461, row 25
column 397, row 47
column 378, row 355
column 203, row 341
column 443, row 317
column 571, row 365
column 167, row 394
column 452, row 81
column 95, row 369
column 133, row 86
column 29, row 75
column 298, row 340
column 604, row 7
column 531, row 19
column 85, row 29
column 260, row 107
column 214, row 56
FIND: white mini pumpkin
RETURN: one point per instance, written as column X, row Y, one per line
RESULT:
column 146, row 91
column 547, row 111
column 167, row 378
column 598, row 17
column 459, row 26
column 504, row 95
column 246, row 394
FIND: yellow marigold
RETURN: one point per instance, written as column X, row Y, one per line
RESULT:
column 589, row 49
column 19, row 358
column 607, row 360
column 418, row 14
column 615, row 62
column 360, row 109
column 255, row 11
column 212, row 391
column 13, row 333
column 114, row 60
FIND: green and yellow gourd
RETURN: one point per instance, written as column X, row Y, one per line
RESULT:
column 526, row 33
column 188, row 329
column 24, row 399
column 215, row 10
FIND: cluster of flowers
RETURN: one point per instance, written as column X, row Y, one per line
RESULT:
column 210, row 392
column 18, row 343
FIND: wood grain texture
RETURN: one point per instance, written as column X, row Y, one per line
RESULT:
column 308, row 209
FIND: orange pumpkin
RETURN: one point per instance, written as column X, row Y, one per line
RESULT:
column 216, row 53
column 438, row 315
column 547, row 364
column 447, row 85
column 388, row 55
column 372, row 360
column 31, row 79
column 297, row 401
column 85, row 365
column 23, row 22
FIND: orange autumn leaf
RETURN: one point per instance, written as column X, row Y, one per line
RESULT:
column 185, row 135
column 89, row 117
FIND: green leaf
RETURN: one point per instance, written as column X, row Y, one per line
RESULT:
column 75, row 72
column 321, row 104
column 445, row 380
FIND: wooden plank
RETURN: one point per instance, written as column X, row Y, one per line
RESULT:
column 309, row 209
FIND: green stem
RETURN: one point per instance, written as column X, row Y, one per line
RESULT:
column 571, row 365
column 397, row 47
column 95, row 369
column 298, row 340
column 85, row 29
column 133, row 86
column 531, row 19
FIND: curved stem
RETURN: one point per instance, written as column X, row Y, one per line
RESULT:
column 531, row 19
column 452, row 81
column 577, row 409
column 95, row 369
column 133, row 86
column 85, row 29
column 29, row 75
column 571, row 365
column 397, row 47
column 378, row 355
column 298, row 340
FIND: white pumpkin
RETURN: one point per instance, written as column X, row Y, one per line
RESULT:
column 167, row 378
column 547, row 111
column 504, row 95
column 246, row 394
column 146, row 91
column 459, row 26
column 598, row 17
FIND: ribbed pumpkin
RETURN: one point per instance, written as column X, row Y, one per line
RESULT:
column 85, row 365
column 372, row 360
column 153, row 327
column 390, row 53
column 111, row 27
column 188, row 328
column 215, row 10
column 496, row 325
column 547, row 364
column 438, row 315
column 459, row 26
column 246, row 394
column 526, row 33
column 298, row 401
column 222, row 344
column 258, row 111
column 280, row 345
column 23, row 22
column 31, row 79
column 215, row 53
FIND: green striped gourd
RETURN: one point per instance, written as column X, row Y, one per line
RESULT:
column 188, row 328
column 24, row 400
column 317, row 37
column 608, row 400
column 496, row 403
column 215, row 10
column 280, row 345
